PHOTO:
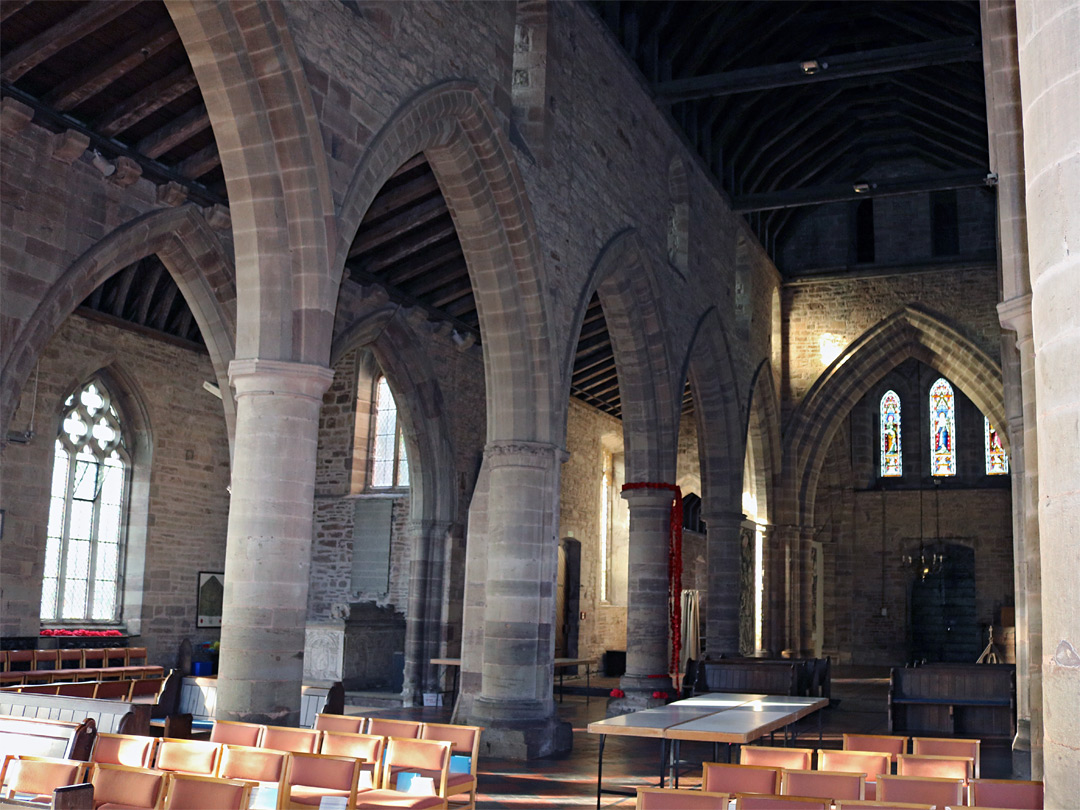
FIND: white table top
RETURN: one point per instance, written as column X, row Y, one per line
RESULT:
column 734, row 718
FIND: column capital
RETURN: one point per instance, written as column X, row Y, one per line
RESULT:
column 718, row 518
column 648, row 497
column 1015, row 315
column 257, row 377
column 523, row 453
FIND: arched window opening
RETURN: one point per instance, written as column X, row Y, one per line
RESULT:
column 390, row 464
column 892, row 465
column 942, row 429
column 997, row 460
column 87, row 511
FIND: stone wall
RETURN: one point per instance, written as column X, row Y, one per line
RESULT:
column 179, row 510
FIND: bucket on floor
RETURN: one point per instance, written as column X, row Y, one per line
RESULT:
column 433, row 698
column 201, row 669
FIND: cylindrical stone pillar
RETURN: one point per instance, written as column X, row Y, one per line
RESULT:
column 1047, row 33
column 521, row 551
column 268, row 553
column 722, row 531
column 647, row 611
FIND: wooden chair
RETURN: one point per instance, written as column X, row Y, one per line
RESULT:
column 3, row 660
column 148, row 689
column 94, row 658
column 231, row 732
column 310, row 777
column 188, row 756
column 35, row 778
column 70, row 659
column 1013, row 793
column 84, row 689
column 124, row 749
column 136, row 656
column 464, row 743
column 774, row 802
column 20, row 660
column 881, row 805
column 884, row 743
column 943, row 767
column 870, row 763
column 190, row 792
column 947, row 747
column 365, row 747
column 921, row 790
column 296, row 740
column 720, row 777
column 254, row 764
column 791, row 758
column 129, row 787
column 113, row 690
column 424, row 758
column 653, row 798
column 347, row 723
column 45, row 659
column 116, row 657
column 831, row 785
column 403, row 729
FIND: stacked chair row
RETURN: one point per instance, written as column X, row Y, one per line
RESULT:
column 34, row 779
column 137, row 688
column 21, row 667
column 299, row 765
column 683, row 799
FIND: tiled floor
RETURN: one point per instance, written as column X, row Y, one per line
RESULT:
column 860, row 698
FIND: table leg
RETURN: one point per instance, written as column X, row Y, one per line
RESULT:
column 587, row 678
column 600, row 769
column 561, row 692
column 664, row 755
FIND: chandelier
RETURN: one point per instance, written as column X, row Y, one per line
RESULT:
column 927, row 563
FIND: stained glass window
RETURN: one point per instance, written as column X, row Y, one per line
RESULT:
column 86, row 508
column 997, row 461
column 942, row 429
column 390, row 465
column 891, row 456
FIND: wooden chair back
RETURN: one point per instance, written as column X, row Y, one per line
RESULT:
column 720, row 777
column 762, row 802
column 921, row 790
column 191, row 792
column 365, row 747
column 654, row 798
column 348, row 723
column 36, row 777
column 296, row 740
column 394, row 728
column 943, row 767
column 1012, row 793
column 253, row 764
column 310, row 777
column 188, row 756
column 831, row 785
column 125, row 749
column 231, row 732
column 947, row 747
column 885, row 743
column 791, row 758
column 131, row 787
column 429, row 758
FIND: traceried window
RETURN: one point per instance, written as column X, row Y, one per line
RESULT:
column 891, row 455
column 87, row 508
column 942, row 429
column 997, row 461
column 390, row 465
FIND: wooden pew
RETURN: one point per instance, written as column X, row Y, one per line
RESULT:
column 109, row 716
column 770, row 678
column 47, row 738
column 963, row 700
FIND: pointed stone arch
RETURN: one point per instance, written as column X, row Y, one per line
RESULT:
column 432, row 498
column 913, row 331
column 268, row 136
column 763, row 436
column 625, row 282
column 194, row 257
column 453, row 126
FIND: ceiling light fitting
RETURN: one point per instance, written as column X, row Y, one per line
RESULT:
column 863, row 188
column 106, row 168
column 812, row 66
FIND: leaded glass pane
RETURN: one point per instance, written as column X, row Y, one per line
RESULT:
column 85, row 488
column 60, row 471
column 109, row 524
column 403, row 463
column 78, row 559
column 104, row 600
column 56, row 518
column 48, row 598
column 107, row 559
column 382, row 473
column 91, row 398
column 52, row 558
column 82, row 520
column 74, row 599
column 997, row 461
column 891, row 455
column 942, row 429
column 112, row 486
column 75, row 427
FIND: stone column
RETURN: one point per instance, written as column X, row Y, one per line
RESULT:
column 802, row 602
column 647, row 614
column 1050, row 90
column 423, row 620
column 1015, row 315
column 268, row 556
column 519, row 546
column 722, row 609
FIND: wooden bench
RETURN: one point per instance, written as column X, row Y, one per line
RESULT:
column 109, row 716
column 770, row 678
column 198, row 697
column 813, row 675
column 47, row 738
column 963, row 700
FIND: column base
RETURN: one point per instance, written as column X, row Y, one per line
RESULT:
column 530, row 739
column 1021, row 750
column 633, row 702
